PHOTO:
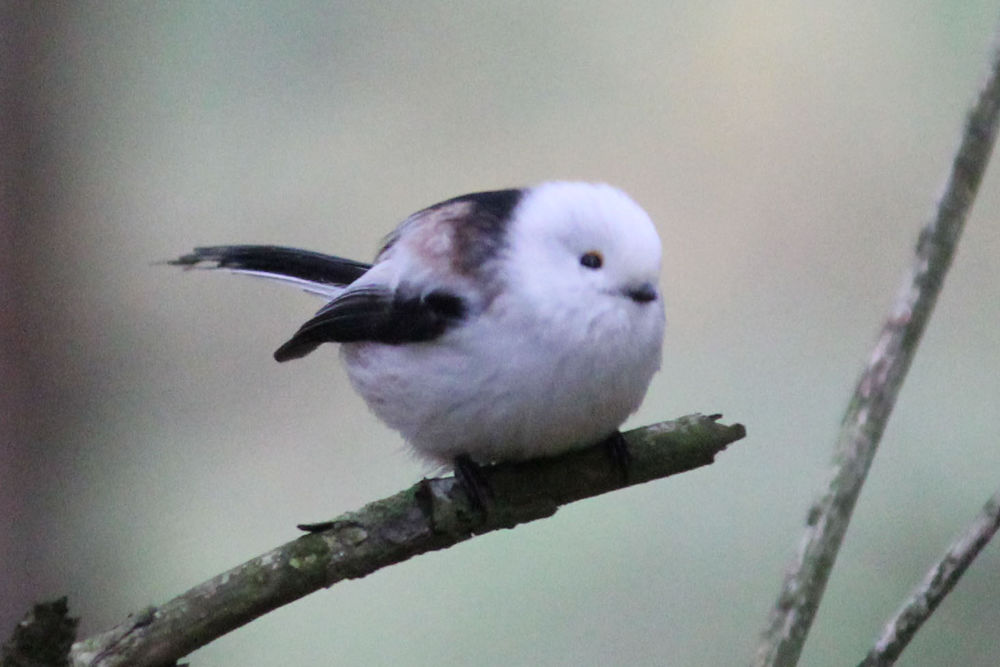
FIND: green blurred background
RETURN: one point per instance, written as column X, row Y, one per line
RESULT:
column 788, row 151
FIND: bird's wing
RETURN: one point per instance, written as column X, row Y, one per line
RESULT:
column 312, row 271
column 377, row 314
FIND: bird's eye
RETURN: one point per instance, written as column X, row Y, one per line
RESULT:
column 592, row 259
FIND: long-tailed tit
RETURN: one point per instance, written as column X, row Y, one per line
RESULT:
column 493, row 326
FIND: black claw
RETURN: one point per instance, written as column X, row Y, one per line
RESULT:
column 327, row 525
column 618, row 452
column 316, row 527
column 472, row 480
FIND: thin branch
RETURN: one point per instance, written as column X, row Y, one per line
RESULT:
column 876, row 391
column 433, row 514
column 938, row 583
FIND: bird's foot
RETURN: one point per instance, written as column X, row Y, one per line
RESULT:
column 621, row 458
column 475, row 484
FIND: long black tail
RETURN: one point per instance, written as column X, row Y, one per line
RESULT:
column 273, row 260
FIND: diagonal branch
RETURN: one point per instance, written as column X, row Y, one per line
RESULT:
column 876, row 391
column 433, row 514
column 938, row 583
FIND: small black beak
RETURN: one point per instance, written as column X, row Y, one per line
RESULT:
column 643, row 293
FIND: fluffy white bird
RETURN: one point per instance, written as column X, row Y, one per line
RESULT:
column 493, row 326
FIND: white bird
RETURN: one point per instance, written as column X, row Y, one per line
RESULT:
column 494, row 326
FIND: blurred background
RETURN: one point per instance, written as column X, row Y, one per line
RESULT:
column 789, row 153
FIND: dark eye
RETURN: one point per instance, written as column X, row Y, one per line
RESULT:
column 592, row 259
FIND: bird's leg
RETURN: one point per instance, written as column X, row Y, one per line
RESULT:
column 617, row 449
column 472, row 480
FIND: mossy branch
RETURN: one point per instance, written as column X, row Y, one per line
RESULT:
column 433, row 514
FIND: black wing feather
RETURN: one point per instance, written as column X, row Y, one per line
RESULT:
column 278, row 260
column 376, row 314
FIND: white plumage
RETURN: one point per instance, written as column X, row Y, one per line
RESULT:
column 502, row 325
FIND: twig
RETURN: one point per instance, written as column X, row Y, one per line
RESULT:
column 876, row 391
column 938, row 583
column 433, row 514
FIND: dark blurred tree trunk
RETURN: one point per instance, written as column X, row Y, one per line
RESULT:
column 24, row 31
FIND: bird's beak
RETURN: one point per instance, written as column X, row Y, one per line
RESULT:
column 642, row 293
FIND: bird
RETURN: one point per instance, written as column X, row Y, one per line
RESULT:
column 495, row 326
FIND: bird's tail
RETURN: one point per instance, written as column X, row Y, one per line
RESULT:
column 314, row 272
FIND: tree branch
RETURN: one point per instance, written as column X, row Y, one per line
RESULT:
column 433, row 514
column 876, row 391
column 938, row 583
